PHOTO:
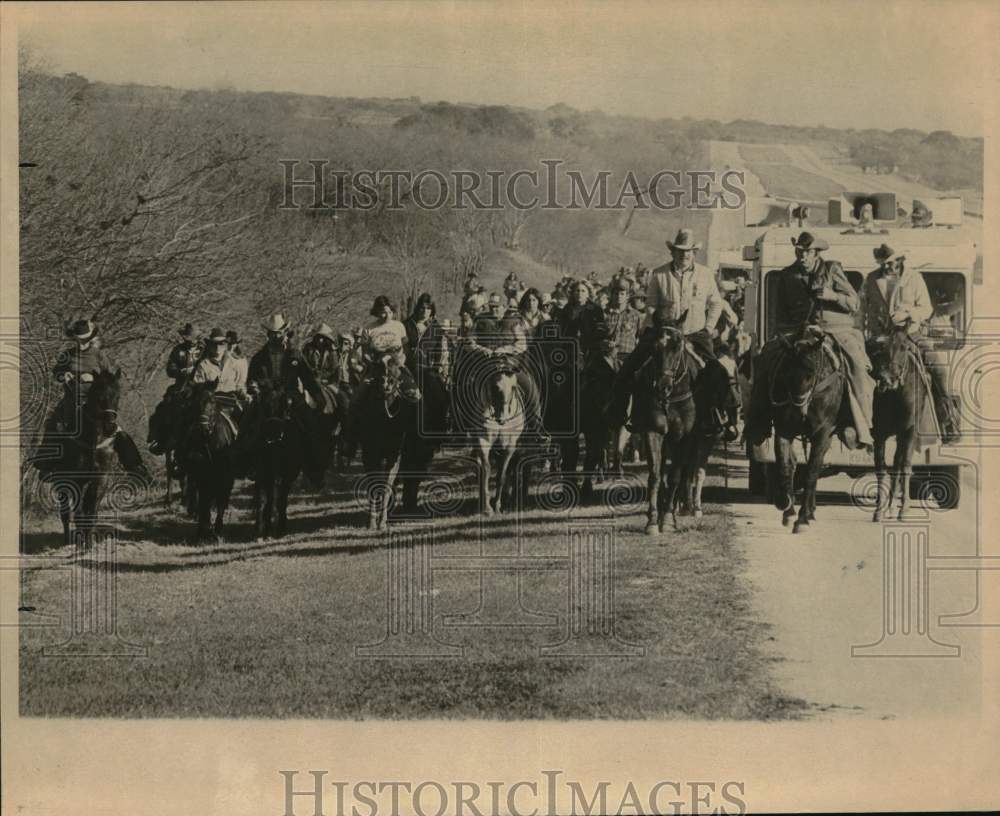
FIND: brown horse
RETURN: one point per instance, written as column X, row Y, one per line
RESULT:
column 806, row 387
column 663, row 412
column 81, row 477
column 902, row 403
column 209, row 456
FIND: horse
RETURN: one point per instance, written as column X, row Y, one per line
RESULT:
column 805, row 389
column 663, row 412
column 388, row 418
column 716, row 401
column 81, row 477
column 279, row 454
column 170, row 421
column 210, row 457
column 902, row 402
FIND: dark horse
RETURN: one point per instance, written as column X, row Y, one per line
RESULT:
column 903, row 404
column 805, row 390
column 209, row 458
column 386, row 418
column 83, row 474
column 663, row 413
column 279, row 454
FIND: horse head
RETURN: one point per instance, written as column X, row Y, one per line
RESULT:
column 803, row 363
column 668, row 356
column 890, row 354
column 388, row 376
column 501, row 389
column 274, row 404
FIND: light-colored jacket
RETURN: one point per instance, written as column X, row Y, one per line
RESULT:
column 909, row 297
column 696, row 292
column 230, row 373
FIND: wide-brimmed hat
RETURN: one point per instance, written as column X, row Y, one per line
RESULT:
column 217, row 335
column 807, row 240
column 82, row 330
column 276, row 323
column 232, row 337
column 885, row 253
column 324, row 331
column 186, row 331
column 684, row 240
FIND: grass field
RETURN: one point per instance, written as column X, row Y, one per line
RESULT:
column 269, row 628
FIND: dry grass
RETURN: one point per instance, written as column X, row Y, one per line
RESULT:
column 269, row 629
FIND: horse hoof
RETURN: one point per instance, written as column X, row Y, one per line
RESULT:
column 799, row 525
column 698, row 514
column 785, row 520
column 652, row 529
column 877, row 516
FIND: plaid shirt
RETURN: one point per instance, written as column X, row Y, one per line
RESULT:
column 623, row 328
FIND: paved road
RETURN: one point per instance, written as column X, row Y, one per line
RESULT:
column 821, row 592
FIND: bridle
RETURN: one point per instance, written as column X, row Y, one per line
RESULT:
column 817, row 380
column 678, row 373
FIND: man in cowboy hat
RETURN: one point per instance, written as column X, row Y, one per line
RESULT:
column 816, row 290
column 218, row 365
column 349, row 364
column 281, row 367
column 75, row 369
column 320, row 355
column 680, row 288
column 181, row 361
column 896, row 297
column 685, row 287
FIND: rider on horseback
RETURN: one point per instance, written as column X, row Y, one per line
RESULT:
column 816, row 290
column 894, row 297
column 75, row 368
column 678, row 289
column 385, row 336
column 282, row 366
column 219, row 365
column 180, row 366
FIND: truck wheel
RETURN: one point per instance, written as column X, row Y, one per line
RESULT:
column 758, row 479
column 942, row 484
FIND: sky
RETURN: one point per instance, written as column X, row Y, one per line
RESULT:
column 925, row 64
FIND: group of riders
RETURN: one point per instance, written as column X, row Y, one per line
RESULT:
column 615, row 326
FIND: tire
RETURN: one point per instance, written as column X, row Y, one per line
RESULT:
column 757, row 485
column 942, row 484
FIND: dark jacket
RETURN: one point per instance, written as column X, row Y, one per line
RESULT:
column 284, row 370
column 798, row 291
column 323, row 361
column 182, row 360
column 582, row 322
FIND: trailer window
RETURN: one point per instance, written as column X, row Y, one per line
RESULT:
column 947, row 291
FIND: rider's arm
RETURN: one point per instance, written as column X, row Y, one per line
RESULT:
column 921, row 308
column 845, row 297
column 713, row 305
column 200, row 374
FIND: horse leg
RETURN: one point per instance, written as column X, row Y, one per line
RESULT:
column 169, row 459
column 283, row 488
column 883, row 501
column 204, row 508
column 65, row 499
column 505, row 458
column 785, row 496
column 652, row 443
column 904, row 467
column 817, row 453
column 699, row 483
column 484, row 478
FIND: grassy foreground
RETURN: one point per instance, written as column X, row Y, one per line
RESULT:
column 269, row 629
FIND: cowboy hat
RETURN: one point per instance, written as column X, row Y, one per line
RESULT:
column 807, row 240
column 276, row 323
column 324, row 331
column 217, row 335
column 683, row 241
column 187, row 330
column 885, row 253
column 82, row 330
